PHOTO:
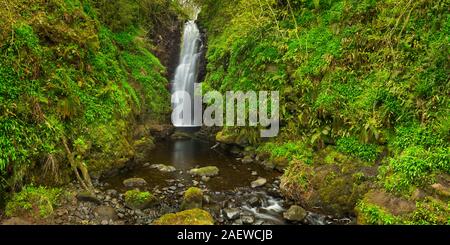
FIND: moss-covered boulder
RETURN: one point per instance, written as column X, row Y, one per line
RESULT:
column 333, row 182
column 34, row 202
column 134, row 182
column 187, row 217
column 209, row 171
column 193, row 198
column 136, row 199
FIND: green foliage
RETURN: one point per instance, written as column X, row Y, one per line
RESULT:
column 351, row 146
column 374, row 215
column 288, row 150
column 37, row 202
column 75, row 69
column 415, row 166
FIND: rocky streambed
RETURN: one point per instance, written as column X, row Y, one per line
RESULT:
column 234, row 190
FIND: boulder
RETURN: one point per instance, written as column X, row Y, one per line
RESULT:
column 193, row 198
column 179, row 135
column 163, row 168
column 295, row 213
column 209, row 171
column 247, row 160
column 231, row 213
column 88, row 197
column 259, row 182
column 138, row 200
column 188, row 217
column 134, row 182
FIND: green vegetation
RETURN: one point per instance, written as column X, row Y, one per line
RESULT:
column 368, row 78
column 74, row 76
column 35, row 202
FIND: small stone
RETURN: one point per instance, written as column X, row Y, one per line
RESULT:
column 205, row 179
column 254, row 201
column 134, row 182
column 88, row 197
column 247, row 160
column 295, row 213
column 104, row 222
column 164, row 168
column 195, row 182
column 180, row 185
column 231, row 213
column 254, row 173
column 172, row 188
column 112, row 192
column 247, row 219
column 259, row 182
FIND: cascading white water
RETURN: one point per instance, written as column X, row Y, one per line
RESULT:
column 187, row 71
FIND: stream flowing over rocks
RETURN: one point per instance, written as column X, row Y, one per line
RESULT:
column 233, row 192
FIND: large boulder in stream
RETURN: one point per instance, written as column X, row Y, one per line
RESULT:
column 193, row 198
column 209, row 171
column 295, row 213
column 259, row 182
column 163, row 168
column 188, row 217
column 135, row 199
column 134, row 182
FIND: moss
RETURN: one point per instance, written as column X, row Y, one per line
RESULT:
column 193, row 198
column 208, row 171
column 139, row 199
column 187, row 217
column 193, row 193
column 36, row 202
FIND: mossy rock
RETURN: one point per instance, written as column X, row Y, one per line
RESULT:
column 209, row 171
column 135, row 199
column 188, row 217
column 333, row 182
column 193, row 198
column 280, row 163
column 34, row 202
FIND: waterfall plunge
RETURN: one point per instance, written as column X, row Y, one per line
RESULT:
column 187, row 72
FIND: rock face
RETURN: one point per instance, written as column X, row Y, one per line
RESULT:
column 188, row 217
column 88, row 197
column 209, row 171
column 134, row 182
column 193, row 198
column 137, row 200
column 295, row 213
column 163, row 168
column 259, row 182
column 106, row 213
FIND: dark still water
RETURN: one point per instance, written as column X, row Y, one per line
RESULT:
column 191, row 153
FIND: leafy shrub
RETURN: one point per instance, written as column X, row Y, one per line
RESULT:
column 350, row 145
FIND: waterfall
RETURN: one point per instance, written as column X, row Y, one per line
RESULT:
column 186, row 73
